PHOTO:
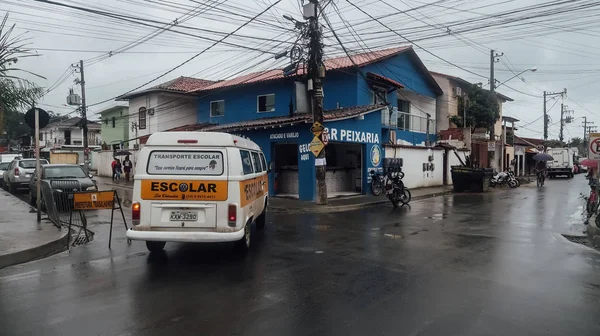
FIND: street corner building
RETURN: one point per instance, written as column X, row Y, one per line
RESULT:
column 378, row 105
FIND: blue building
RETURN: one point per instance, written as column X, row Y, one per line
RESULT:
column 272, row 110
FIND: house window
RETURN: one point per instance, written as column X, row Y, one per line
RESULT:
column 217, row 108
column 142, row 118
column 114, row 122
column 404, row 114
column 378, row 96
column 266, row 103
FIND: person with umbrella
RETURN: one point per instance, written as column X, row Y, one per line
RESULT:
column 541, row 167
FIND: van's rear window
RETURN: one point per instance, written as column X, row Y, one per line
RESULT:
column 185, row 163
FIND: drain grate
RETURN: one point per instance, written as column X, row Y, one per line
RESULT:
column 583, row 240
column 78, row 239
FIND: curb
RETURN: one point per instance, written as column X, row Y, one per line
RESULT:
column 35, row 253
column 342, row 208
column 593, row 231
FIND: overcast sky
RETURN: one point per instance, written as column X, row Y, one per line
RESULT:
column 560, row 43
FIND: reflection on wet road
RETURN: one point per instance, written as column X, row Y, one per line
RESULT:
column 492, row 264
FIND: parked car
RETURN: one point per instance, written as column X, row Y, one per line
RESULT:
column 61, row 172
column 19, row 174
column 3, row 168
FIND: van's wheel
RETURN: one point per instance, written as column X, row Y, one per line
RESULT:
column 243, row 245
column 155, row 246
column 261, row 220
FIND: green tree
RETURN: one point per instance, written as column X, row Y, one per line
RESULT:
column 17, row 94
column 482, row 109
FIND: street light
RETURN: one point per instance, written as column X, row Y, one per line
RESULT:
column 517, row 75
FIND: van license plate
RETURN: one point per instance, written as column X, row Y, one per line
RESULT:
column 183, row 216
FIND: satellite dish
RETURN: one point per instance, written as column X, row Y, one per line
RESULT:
column 30, row 117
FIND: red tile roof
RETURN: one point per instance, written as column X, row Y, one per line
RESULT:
column 179, row 85
column 184, row 84
column 304, row 118
column 330, row 64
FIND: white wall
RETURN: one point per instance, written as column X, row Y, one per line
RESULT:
column 101, row 162
column 170, row 111
column 413, row 159
column 454, row 161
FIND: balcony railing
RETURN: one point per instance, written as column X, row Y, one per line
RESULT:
column 407, row 122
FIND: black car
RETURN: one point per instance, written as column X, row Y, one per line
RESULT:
column 58, row 174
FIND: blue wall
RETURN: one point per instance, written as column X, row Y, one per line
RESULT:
column 241, row 102
column 401, row 68
column 367, row 132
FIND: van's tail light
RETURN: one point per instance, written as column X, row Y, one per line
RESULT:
column 232, row 214
column 135, row 213
column 16, row 171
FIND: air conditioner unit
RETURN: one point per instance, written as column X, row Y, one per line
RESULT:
column 151, row 112
column 457, row 92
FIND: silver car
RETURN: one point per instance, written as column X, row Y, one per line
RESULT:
column 19, row 174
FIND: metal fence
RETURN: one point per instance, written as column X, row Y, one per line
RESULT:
column 406, row 121
column 57, row 201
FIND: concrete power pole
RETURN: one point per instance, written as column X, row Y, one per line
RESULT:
column 586, row 130
column 316, row 72
column 84, row 121
column 546, row 95
column 494, row 58
column 562, row 125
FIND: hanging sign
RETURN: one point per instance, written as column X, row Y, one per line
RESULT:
column 317, row 128
column 94, row 201
column 325, row 137
column 594, row 146
column 316, row 146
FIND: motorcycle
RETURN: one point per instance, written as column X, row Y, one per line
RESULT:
column 505, row 178
column 396, row 192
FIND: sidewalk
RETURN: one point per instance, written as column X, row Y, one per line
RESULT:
column 350, row 203
column 334, row 205
column 22, row 238
column 109, row 182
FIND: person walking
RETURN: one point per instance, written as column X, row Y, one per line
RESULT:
column 127, row 166
column 118, row 170
column 113, row 166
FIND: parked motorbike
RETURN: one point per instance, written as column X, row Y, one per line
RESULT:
column 505, row 178
column 395, row 190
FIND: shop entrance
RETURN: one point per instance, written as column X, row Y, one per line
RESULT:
column 285, row 166
column 344, row 169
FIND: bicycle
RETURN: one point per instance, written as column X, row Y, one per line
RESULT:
column 540, row 178
column 592, row 201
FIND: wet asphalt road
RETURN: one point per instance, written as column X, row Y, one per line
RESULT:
column 492, row 264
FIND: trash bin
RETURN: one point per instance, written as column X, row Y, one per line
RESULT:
column 471, row 179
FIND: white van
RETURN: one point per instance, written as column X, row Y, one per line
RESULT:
column 198, row 187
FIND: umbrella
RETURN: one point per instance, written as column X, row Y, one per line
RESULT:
column 589, row 163
column 122, row 153
column 543, row 157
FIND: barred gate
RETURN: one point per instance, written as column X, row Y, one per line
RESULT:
column 57, row 201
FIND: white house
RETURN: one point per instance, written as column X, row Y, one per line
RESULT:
column 69, row 132
column 163, row 107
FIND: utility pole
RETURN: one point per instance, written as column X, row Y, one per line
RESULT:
column 562, row 115
column 494, row 58
column 84, row 121
column 316, row 73
column 586, row 130
column 546, row 119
